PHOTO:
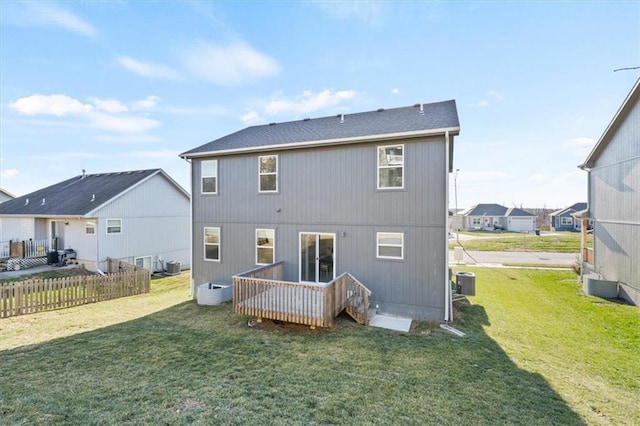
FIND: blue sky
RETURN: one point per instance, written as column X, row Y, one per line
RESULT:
column 110, row 86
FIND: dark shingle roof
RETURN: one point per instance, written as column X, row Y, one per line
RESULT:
column 494, row 210
column 577, row 207
column 439, row 115
column 74, row 196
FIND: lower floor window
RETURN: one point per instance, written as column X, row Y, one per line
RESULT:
column 566, row 221
column 212, row 243
column 390, row 245
column 265, row 246
column 143, row 262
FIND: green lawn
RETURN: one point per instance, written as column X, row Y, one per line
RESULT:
column 536, row 352
column 562, row 242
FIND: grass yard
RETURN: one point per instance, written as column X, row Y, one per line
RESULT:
column 536, row 352
column 561, row 242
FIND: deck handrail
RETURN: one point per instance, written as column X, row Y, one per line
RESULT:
column 262, row 293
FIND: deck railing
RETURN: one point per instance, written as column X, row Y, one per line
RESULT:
column 587, row 255
column 262, row 293
column 27, row 249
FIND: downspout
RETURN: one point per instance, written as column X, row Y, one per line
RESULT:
column 448, row 302
column 192, row 286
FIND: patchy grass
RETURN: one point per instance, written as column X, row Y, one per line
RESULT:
column 564, row 242
column 160, row 358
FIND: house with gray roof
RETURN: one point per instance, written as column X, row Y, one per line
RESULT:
column 363, row 193
column 492, row 217
column 613, row 176
column 563, row 220
column 141, row 217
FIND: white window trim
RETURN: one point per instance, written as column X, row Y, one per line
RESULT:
column 401, row 245
column 260, row 174
column 384, row 188
column 88, row 225
column 273, row 249
column 107, row 227
column 204, row 244
column 566, row 221
column 144, row 257
column 202, row 177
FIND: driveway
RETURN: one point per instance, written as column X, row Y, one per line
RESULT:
column 515, row 257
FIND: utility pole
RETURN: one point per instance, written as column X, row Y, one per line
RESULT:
column 455, row 191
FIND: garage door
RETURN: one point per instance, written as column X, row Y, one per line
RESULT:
column 518, row 224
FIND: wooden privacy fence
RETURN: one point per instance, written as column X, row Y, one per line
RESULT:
column 28, row 297
column 262, row 293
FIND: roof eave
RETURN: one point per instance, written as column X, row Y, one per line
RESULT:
column 622, row 112
column 453, row 131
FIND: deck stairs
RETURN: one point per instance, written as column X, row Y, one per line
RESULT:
column 357, row 306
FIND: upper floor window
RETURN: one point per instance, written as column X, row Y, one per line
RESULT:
column 209, row 172
column 391, row 167
column 212, row 244
column 268, row 172
column 390, row 245
column 265, row 246
column 114, row 226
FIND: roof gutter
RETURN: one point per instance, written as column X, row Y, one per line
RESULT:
column 326, row 142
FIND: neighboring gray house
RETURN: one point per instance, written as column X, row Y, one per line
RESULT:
column 5, row 196
column 491, row 217
column 613, row 168
column 364, row 193
column 563, row 220
column 140, row 217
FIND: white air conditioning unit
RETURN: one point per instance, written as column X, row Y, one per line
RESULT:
column 173, row 268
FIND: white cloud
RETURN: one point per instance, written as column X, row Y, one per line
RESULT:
column 107, row 115
column 122, row 124
column 491, row 96
column 146, row 103
column 395, row 90
column 229, row 65
column 308, row 102
column 146, row 69
column 582, row 146
column 10, row 173
column 58, row 105
column 252, row 118
column 47, row 14
column 109, row 105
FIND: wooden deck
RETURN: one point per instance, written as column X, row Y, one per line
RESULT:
column 262, row 293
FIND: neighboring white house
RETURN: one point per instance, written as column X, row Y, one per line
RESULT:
column 140, row 217
column 613, row 168
column 491, row 217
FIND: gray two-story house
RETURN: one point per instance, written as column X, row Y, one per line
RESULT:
column 363, row 193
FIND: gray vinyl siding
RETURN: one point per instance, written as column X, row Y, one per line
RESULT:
column 333, row 190
column 615, row 206
column 155, row 222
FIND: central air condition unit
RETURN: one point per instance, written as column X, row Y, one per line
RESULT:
column 466, row 283
column 173, row 268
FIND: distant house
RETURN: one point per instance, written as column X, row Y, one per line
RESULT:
column 5, row 196
column 141, row 217
column 613, row 168
column 363, row 193
column 563, row 220
column 491, row 217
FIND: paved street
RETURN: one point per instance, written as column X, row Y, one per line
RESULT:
column 515, row 257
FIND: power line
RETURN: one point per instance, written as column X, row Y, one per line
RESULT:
column 626, row 69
